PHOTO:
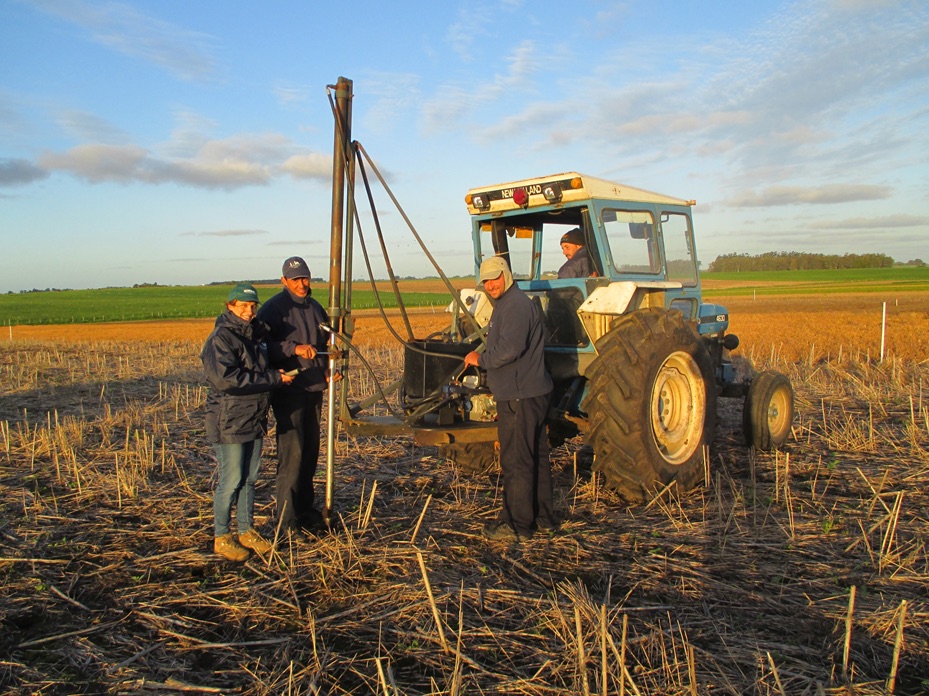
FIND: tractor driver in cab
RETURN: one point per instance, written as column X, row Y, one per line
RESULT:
column 578, row 263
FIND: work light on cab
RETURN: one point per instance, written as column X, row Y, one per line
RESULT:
column 481, row 201
column 552, row 193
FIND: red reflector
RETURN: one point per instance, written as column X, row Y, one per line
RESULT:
column 520, row 197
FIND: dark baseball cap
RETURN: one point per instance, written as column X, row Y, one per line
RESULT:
column 295, row 267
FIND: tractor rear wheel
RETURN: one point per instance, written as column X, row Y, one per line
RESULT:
column 651, row 403
column 473, row 458
column 768, row 412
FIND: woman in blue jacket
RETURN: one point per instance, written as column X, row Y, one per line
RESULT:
column 235, row 360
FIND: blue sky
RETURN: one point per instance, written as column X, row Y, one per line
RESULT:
column 187, row 142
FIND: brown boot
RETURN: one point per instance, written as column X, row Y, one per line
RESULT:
column 253, row 540
column 227, row 547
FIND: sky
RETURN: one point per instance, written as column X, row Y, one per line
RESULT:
column 179, row 142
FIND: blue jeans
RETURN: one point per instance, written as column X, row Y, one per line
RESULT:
column 238, row 472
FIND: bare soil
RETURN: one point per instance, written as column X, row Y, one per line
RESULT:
column 803, row 571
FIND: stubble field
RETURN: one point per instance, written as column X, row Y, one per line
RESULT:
column 802, row 571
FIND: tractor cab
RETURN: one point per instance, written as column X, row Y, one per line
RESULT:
column 639, row 247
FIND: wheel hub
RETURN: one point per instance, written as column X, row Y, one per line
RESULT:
column 678, row 408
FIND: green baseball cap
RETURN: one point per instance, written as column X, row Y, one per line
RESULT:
column 243, row 292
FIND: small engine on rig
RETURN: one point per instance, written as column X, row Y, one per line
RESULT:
column 483, row 407
column 436, row 388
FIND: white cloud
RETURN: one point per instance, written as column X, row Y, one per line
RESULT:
column 245, row 160
column 447, row 109
column 122, row 28
column 19, row 172
column 808, row 95
column 98, row 163
column 298, row 243
column 12, row 119
column 870, row 223
column 521, row 64
column 795, row 195
column 288, row 95
column 454, row 103
column 466, row 27
column 859, row 5
column 312, row 165
column 534, row 118
column 189, row 134
column 225, row 233
column 391, row 95
column 87, row 126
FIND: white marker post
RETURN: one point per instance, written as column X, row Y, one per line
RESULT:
column 883, row 328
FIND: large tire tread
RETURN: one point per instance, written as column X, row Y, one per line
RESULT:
column 618, row 402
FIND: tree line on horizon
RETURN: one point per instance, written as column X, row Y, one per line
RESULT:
column 798, row 261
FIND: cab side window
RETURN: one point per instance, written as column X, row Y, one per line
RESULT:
column 678, row 246
column 631, row 235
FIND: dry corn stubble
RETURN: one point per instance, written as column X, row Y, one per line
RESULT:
column 107, row 583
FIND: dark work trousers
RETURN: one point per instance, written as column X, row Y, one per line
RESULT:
column 297, row 413
column 527, row 471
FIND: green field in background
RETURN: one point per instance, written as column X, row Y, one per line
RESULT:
column 162, row 302
column 197, row 301
column 900, row 279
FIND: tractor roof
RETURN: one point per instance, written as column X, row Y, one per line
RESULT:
column 558, row 188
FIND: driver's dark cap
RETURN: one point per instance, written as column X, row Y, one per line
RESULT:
column 574, row 236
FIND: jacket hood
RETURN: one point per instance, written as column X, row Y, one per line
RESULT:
column 507, row 278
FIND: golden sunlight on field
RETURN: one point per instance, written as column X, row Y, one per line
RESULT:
column 811, row 327
column 369, row 329
column 800, row 327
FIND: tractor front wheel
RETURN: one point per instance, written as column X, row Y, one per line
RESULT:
column 768, row 412
column 651, row 403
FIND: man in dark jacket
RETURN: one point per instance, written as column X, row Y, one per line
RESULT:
column 578, row 262
column 235, row 362
column 522, row 388
column 294, row 318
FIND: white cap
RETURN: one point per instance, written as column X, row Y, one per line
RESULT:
column 492, row 268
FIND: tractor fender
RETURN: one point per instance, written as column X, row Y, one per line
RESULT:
column 477, row 303
column 607, row 302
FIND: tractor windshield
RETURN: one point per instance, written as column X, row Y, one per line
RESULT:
column 533, row 242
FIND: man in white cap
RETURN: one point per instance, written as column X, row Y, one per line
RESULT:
column 294, row 344
column 522, row 388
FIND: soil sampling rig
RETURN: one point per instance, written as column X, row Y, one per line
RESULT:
column 638, row 359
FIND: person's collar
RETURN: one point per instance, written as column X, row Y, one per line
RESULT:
column 299, row 300
column 237, row 321
column 506, row 292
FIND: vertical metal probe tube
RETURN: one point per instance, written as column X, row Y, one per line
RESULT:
column 330, row 431
column 343, row 132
